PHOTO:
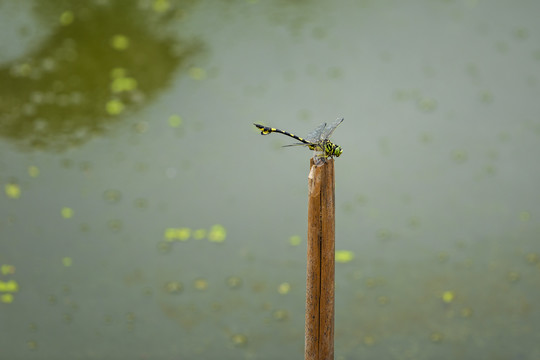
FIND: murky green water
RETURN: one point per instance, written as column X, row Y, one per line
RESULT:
column 142, row 216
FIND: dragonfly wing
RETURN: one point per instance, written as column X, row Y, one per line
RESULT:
column 329, row 130
column 315, row 135
column 296, row 144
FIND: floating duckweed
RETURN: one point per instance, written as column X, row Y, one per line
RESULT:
column 175, row 121
column 383, row 300
column 239, row 340
column 201, row 284
column 443, row 257
column 147, row 291
column 384, row 234
column 123, row 84
column 197, row 73
column 436, row 337
column 335, row 72
column 524, row 216
column 141, row 203
column 67, row 318
column 466, row 312
column 295, row 240
column 6, row 269
column 486, row 97
column 9, row 286
column 170, row 234
column 130, row 326
column 164, row 247
column 532, row 258
column 161, row 6
column 199, row 234
column 427, row 105
column 280, row 315
column 66, row 18
column 513, row 276
column 361, row 199
column 33, row 171
column 448, row 297
column 521, row 33
column 114, row 107
column 426, row 138
column 32, row 327
column 490, row 169
column 86, row 166
column 130, row 317
column 459, row 156
column 120, row 42
column 52, row 299
column 118, row 73
column 371, row 283
column 414, row 223
column 284, row 288
column 23, row 69
column 217, row 233
column 13, row 190
column 344, row 256
column 234, row 282
column 49, row 64
column 115, row 225
column 369, row 340
column 32, row 345
column 183, row 234
column 67, row 261
column 66, row 163
column 67, row 213
column 112, row 196
column 174, row 287
column 6, row 298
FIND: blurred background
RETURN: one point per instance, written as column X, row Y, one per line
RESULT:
column 142, row 215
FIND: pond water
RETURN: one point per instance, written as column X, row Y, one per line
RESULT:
column 142, row 215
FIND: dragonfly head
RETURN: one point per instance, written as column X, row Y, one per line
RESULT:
column 337, row 151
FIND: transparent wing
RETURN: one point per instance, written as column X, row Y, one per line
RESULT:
column 295, row 144
column 315, row 135
column 329, row 130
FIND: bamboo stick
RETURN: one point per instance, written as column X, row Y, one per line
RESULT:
column 319, row 337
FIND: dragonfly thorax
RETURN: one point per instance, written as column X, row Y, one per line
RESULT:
column 331, row 149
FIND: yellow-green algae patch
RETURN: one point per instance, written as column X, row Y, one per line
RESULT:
column 217, row 233
column 67, row 213
column 344, row 256
column 67, row 261
column 284, row 288
column 12, row 190
column 66, row 18
column 10, row 286
column 448, row 296
column 295, row 240
column 175, row 121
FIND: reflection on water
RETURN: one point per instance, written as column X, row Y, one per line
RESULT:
column 100, row 62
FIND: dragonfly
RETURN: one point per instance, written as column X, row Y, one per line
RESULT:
column 318, row 140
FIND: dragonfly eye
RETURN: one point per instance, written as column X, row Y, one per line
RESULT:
column 337, row 151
